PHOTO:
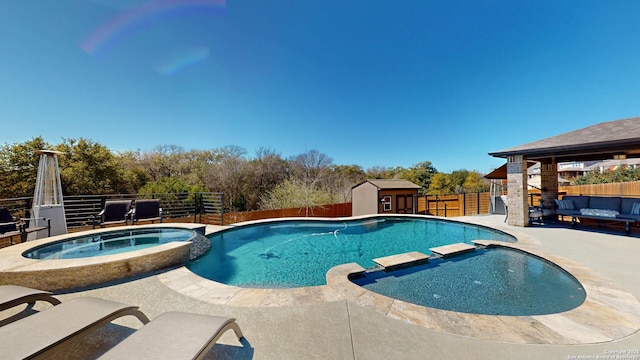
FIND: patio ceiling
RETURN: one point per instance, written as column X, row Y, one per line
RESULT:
column 606, row 140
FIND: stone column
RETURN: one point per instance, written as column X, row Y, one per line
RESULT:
column 549, row 183
column 517, row 191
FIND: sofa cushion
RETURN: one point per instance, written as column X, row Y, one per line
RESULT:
column 602, row 202
column 564, row 204
column 599, row 212
column 626, row 204
column 579, row 202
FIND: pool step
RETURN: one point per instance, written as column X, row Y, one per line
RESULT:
column 452, row 249
column 401, row 259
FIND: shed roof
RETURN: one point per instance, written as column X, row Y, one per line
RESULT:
column 390, row 184
column 596, row 142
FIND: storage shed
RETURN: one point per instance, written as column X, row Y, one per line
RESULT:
column 384, row 196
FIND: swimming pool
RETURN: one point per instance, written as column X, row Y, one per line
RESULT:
column 109, row 242
column 494, row 281
column 298, row 253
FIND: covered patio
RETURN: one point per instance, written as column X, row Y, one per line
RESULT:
column 617, row 140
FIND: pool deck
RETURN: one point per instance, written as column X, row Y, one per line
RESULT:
column 321, row 324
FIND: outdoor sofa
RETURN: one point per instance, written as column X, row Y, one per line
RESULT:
column 600, row 208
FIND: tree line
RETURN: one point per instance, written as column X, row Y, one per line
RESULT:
column 621, row 174
column 265, row 180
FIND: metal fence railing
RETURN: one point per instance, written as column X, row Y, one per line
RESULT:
column 203, row 207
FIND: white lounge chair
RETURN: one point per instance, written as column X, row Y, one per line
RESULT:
column 53, row 329
column 174, row 335
column 13, row 295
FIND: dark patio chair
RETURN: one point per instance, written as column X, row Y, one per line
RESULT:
column 9, row 225
column 114, row 212
column 146, row 210
column 29, row 227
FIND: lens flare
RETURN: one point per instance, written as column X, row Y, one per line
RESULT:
column 129, row 20
column 183, row 60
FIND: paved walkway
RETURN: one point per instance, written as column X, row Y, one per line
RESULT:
column 341, row 329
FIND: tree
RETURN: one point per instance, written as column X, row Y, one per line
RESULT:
column 195, row 165
column 19, row 167
column 170, row 185
column 134, row 174
column 311, row 168
column 342, row 178
column 622, row 174
column 226, row 174
column 89, row 168
column 475, row 183
column 440, row 184
column 263, row 173
column 381, row 172
column 457, row 178
column 164, row 161
column 293, row 193
column 421, row 174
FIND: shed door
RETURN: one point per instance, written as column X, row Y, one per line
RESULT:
column 404, row 204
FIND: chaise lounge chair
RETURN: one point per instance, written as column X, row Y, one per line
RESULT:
column 114, row 212
column 174, row 335
column 146, row 210
column 12, row 295
column 53, row 329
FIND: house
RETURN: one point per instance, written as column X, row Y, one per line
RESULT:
column 384, row 196
column 568, row 171
column 613, row 164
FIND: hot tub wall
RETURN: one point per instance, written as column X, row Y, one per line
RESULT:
column 66, row 274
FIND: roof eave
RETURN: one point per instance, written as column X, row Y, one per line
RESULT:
column 592, row 148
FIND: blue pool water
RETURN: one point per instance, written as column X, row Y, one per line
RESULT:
column 299, row 253
column 496, row 281
column 109, row 242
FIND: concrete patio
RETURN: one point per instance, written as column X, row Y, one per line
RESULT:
column 341, row 329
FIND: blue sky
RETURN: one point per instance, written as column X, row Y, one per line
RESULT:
column 387, row 83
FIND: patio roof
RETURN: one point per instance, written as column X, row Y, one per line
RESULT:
column 501, row 172
column 605, row 140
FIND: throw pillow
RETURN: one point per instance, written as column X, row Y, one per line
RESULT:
column 635, row 208
column 564, row 204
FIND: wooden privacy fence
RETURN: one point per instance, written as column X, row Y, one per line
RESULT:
column 454, row 205
column 478, row 203
column 333, row 210
column 624, row 189
column 447, row 205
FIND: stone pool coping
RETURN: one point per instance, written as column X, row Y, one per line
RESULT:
column 57, row 274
